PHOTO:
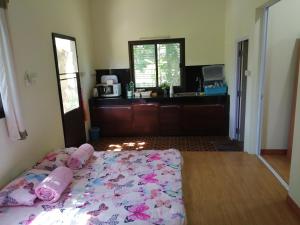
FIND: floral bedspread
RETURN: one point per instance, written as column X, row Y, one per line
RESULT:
column 134, row 188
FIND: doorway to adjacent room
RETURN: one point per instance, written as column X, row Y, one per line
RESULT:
column 241, row 89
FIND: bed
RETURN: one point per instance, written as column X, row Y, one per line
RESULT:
column 134, row 187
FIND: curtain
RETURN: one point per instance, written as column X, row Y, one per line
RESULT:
column 8, row 82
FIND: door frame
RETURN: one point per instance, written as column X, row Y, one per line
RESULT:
column 261, row 78
column 236, row 84
column 262, row 72
column 57, row 35
column 294, row 104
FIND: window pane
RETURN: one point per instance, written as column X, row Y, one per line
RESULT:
column 169, row 64
column 144, row 66
column 69, row 92
column 66, row 56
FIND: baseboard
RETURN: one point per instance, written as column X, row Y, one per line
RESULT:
column 274, row 151
column 293, row 205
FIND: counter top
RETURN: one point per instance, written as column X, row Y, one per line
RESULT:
column 218, row 99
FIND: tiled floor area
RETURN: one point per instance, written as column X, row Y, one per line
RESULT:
column 187, row 143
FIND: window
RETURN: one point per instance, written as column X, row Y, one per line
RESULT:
column 1, row 109
column 155, row 62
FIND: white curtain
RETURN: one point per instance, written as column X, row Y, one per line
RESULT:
column 8, row 84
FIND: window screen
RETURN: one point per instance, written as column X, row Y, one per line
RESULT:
column 144, row 65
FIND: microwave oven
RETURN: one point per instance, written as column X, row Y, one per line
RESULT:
column 109, row 90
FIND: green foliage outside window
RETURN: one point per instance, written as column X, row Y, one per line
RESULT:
column 155, row 64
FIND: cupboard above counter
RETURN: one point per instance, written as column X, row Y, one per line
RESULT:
column 199, row 115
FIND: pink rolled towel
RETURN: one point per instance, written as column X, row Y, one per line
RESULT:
column 79, row 158
column 51, row 188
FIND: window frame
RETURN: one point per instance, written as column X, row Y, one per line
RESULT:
column 180, row 41
column 58, row 74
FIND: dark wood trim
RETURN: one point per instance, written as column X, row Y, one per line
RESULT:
column 182, row 65
column 131, row 63
column 2, row 115
column 54, row 35
column 293, row 205
column 3, row 4
column 181, row 41
column 156, row 67
column 294, row 102
column 157, row 41
column 274, row 151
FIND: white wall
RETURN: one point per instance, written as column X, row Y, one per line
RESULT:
column 283, row 30
column 288, row 11
column 31, row 23
column 243, row 19
column 115, row 22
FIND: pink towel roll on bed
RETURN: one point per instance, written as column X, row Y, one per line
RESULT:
column 79, row 158
column 51, row 188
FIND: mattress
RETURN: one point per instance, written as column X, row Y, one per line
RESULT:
column 135, row 187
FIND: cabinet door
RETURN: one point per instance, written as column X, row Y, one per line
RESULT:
column 204, row 120
column 113, row 120
column 169, row 120
column 145, row 119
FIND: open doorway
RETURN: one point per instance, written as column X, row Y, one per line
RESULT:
column 280, row 79
column 241, row 81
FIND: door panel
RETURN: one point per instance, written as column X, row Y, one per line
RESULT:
column 113, row 120
column 204, row 120
column 169, row 119
column 73, row 138
column 68, row 80
column 241, row 89
column 145, row 119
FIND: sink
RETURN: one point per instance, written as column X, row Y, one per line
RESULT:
column 186, row 94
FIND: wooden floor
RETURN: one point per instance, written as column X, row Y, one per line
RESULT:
column 281, row 164
column 222, row 188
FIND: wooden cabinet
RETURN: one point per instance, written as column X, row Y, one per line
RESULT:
column 170, row 120
column 167, row 118
column 145, row 119
column 113, row 120
column 204, row 120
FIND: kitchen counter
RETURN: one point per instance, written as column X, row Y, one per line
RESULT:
column 220, row 99
column 164, row 116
